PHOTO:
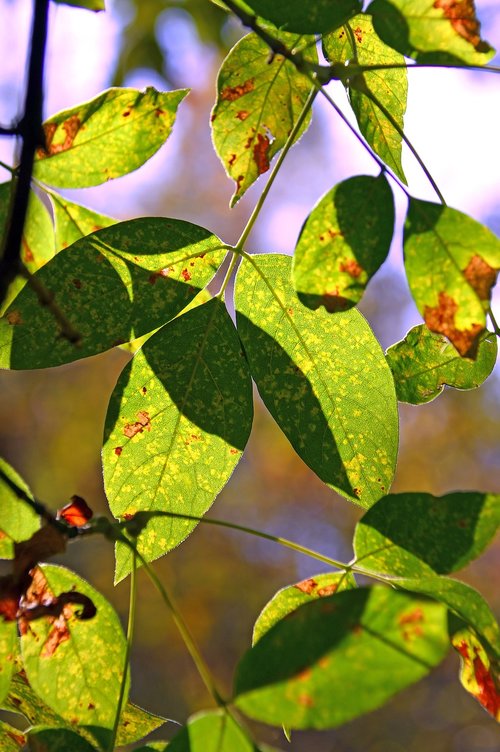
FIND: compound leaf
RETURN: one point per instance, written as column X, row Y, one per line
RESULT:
column 259, row 100
column 451, row 263
column 338, row 657
column 178, row 422
column 114, row 285
column 343, row 242
column 423, row 363
column 306, row 16
column 323, row 378
column 110, row 136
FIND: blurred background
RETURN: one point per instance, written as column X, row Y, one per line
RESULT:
column 51, row 421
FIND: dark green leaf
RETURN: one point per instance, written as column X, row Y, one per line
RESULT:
column 291, row 597
column 358, row 42
column 410, row 534
column 323, row 378
column 45, row 739
column 452, row 263
column 423, row 363
column 73, row 221
column 306, row 16
column 211, row 731
column 432, row 31
column 343, row 242
column 75, row 665
column 11, row 739
column 178, row 422
column 110, row 136
column 18, row 521
column 259, row 100
column 479, row 672
column 338, row 657
column 113, row 286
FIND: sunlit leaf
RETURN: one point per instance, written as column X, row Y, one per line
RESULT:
column 74, row 665
column 323, row 378
column 11, row 739
column 113, row 286
column 110, row 136
column 18, row 521
column 357, row 41
column 178, row 422
column 306, row 16
column 8, row 651
column 423, row 363
column 432, row 31
column 338, row 657
column 211, row 731
column 452, row 263
column 259, row 100
column 410, row 534
column 73, row 221
column 291, row 597
column 88, row 4
column 343, row 242
column 46, row 739
column 479, row 673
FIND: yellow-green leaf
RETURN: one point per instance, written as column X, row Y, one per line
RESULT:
column 11, row 739
column 73, row 221
column 18, row 521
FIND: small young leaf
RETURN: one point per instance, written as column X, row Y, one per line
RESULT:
column 211, row 731
column 306, row 16
column 338, row 657
column 343, row 242
column 451, row 263
column 114, row 285
column 46, row 739
column 75, row 665
column 178, row 423
column 358, row 42
column 18, row 521
column 410, row 534
column 423, row 363
column 291, row 597
column 479, row 673
column 73, row 221
column 323, row 378
column 110, row 136
column 11, row 739
column 259, row 100
column 432, row 31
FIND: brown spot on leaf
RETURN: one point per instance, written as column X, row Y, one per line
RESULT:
column 328, row 589
column 126, row 113
column 230, row 93
column 307, row 586
column 165, row 272
column 462, row 15
column 71, row 126
column 261, row 153
column 144, row 390
column 18, row 739
column 142, row 423
column 185, row 275
column 91, row 706
column 14, row 318
column 305, row 700
column 480, row 276
column 358, row 33
column 242, row 114
column 488, row 694
column 232, row 160
column 28, row 256
column 118, row 451
column 415, row 616
column 305, row 674
column 159, row 112
column 233, row 451
column 441, row 319
column 333, row 301
column 77, row 283
column 57, row 635
column 351, row 267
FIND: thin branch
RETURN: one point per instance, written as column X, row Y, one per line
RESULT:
column 12, row 130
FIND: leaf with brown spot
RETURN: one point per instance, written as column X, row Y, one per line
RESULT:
column 451, row 263
column 255, row 112
column 11, row 739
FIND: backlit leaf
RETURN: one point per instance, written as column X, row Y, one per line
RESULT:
column 75, row 665
column 177, row 425
column 73, row 221
column 409, row 534
column 432, row 31
column 291, row 597
column 479, row 673
column 45, row 739
column 306, row 16
column 259, row 100
column 18, row 521
column 338, row 657
column 451, row 263
column 423, row 363
column 211, row 731
column 11, row 739
column 323, row 378
column 88, row 4
column 357, row 41
column 343, row 242
column 110, row 136
column 8, row 651
column 113, row 286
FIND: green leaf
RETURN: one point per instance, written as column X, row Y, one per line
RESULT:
column 306, row 16
column 358, row 42
column 410, row 534
column 423, row 363
column 259, row 100
column 154, row 746
column 323, row 378
column 75, row 665
column 44, row 739
column 136, row 723
column 18, row 521
column 291, row 597
column 114, row 285
column 211, row 731
column 451, row 263
column 8, row 651
column 479, row 673
column 432, row 31
column 11, row 739
column 336, row 658
column 178, row 422
column 343, row 242
column 73, row 221
column 88, row 4
column 110, row 136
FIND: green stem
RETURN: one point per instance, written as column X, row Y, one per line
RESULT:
column 234, row 260
column 128, row 650
column 286, row 148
